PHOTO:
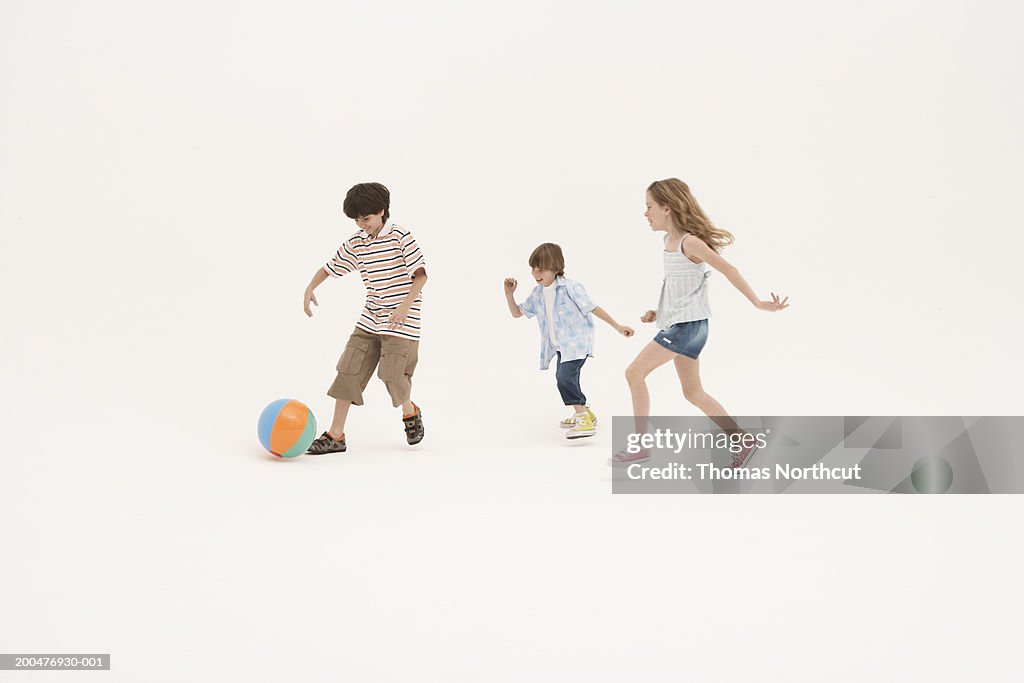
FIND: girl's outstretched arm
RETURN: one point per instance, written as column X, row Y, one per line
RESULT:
column 694, row 246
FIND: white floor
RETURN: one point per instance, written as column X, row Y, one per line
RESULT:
column 171, row 176
column 468, row 559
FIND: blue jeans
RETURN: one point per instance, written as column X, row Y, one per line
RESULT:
column 567, row 374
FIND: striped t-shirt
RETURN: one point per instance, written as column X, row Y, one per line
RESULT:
column 386, row 263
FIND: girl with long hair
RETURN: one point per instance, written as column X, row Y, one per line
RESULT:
column 692, row 244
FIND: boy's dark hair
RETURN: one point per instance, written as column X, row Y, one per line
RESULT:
column 548, row 256
column 366, row 199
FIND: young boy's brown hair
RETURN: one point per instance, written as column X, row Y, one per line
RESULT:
column 548, row 256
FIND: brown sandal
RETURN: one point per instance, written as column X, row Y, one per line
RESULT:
column 414, row 427
column 325, row 443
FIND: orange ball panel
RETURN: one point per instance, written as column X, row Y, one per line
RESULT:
column 288, row 427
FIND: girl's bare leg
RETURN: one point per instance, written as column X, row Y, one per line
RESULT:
column 650, row 357
column 688, row 370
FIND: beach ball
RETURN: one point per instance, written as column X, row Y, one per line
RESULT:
column 286, row 428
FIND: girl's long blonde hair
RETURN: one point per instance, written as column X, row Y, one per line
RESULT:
column 674, row 193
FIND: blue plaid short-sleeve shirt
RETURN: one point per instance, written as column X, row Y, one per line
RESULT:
column 574, row 324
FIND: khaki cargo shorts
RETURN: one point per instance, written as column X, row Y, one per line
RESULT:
column 394, row 359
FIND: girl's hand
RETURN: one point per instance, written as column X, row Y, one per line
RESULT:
column 625, row 331
column 309, row 297
column 649, row 317
column 773, row 305
column 510, row 285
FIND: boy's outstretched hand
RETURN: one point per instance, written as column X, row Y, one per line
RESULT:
column 773, row 305
column 649, row 317
column 309, row 298
column 626, row 331
column 510, row 285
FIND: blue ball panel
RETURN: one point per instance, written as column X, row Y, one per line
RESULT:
column 267, row 418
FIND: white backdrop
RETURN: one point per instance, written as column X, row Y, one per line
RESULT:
column 171, row 176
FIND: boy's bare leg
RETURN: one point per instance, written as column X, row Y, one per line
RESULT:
column 340, row 414
column 408, row 407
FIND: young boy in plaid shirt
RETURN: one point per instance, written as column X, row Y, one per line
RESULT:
column 565, row 316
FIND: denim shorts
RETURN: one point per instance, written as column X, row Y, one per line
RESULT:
column 686, row 339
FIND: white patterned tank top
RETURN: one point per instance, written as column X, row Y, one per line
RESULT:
column 684, row 291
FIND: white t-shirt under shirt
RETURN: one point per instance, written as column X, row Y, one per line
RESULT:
column 549, row 307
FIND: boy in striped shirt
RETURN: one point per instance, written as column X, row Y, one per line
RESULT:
column 386, row 336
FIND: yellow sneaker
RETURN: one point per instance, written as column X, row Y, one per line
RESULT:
column 570, row 422
column 584, row 426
